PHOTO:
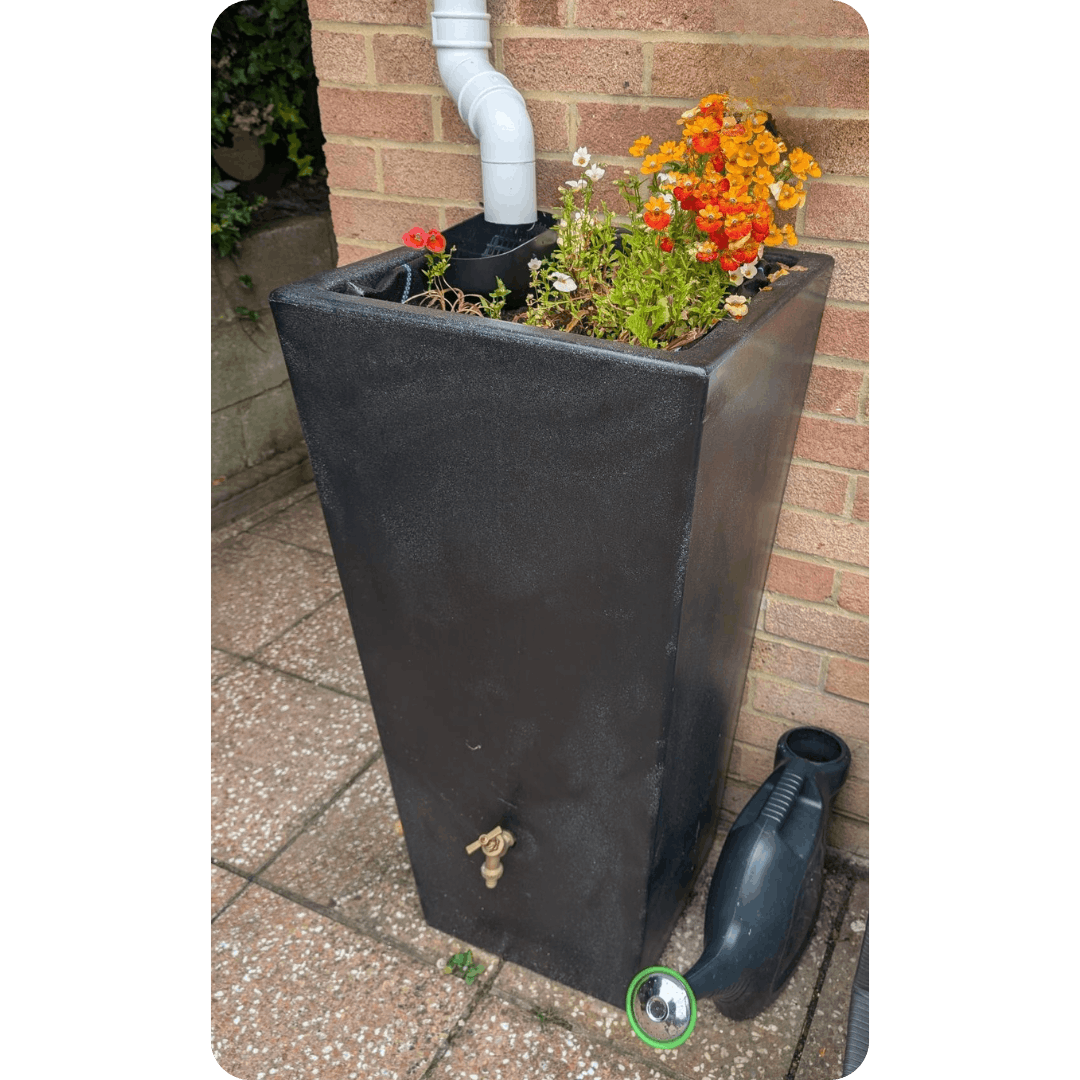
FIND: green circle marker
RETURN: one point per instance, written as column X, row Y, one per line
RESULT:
column 635, row 1024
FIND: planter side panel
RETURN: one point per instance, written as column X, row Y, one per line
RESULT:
column 511, row 518
column 755, row 398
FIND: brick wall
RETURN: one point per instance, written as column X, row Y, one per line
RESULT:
column 599, row 73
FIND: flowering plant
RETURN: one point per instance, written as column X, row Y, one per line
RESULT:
column 695, row 236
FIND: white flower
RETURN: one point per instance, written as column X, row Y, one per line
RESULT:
column 736, row 306
column 534, row 263
column 563, row 282
column 576, row 185
column 690, row 113
column 581, row 157
column 665, row 177
column 735, row 276
column 775, row 189
column 667, row 197
column 594, row 172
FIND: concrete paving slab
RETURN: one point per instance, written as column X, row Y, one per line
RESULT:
column 501, row 1042
column 302, row 523
column 355, row 853
column 321, row 648
column 762, row 1047
column 224, row 534
column 823, row 1055
column 261, row 587
column 221, row 663
column 299, row 995
column 280, row 749
column 224, row 886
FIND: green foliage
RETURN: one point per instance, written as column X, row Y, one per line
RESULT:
column 262, row 82
column 229, row 214
column 625, row 287
column 461, row 964
column 246, row 313
column 493, row 308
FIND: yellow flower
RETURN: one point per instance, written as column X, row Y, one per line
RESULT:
column 790, row 197
column 789, row 235
column 775, row 236
column 802, row 164
column 675, row 151
column 746, row 157
column 639, row 147
column 654, row 163
column 765, row 145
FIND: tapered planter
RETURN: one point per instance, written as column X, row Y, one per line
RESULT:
column 552, row 549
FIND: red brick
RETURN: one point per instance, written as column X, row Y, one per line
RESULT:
column 798, row 578
column 835, row 631
column 750, row 763
column 851, row 272
column 830, row 538
column 861, row 508
column 849, row 719
column 854, row 798
column 387, row 12
column 453, row 215
column 351, row 253
column 405, row 58
column 848, row 679
column 786, row 661
column 373, row 114
column 550, row 174
column 431, row 174
column 837, row 211
column 550, row 124
column 844, row 333
column 838, row 146
column 816, row 489
column 807, row 18
column 339, row 57
column 854, row 593
column 848, row 835
column 528, row 12
column 376, row 219
column 574, row 65
column 833, row 443
column 351, row 167
column 609, row 128
column 833, row 390
column 769, row 76
column 737, row 793
column 754, row 729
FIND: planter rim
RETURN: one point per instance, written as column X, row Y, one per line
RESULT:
column 703, row 355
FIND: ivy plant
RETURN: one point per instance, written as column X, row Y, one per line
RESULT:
column 262, row 82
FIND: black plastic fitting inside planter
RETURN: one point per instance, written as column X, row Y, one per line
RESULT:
column 552, row 549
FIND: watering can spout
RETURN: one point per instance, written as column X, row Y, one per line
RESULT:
column 763, row 900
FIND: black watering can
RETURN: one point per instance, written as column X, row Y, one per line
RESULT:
column 763, row 900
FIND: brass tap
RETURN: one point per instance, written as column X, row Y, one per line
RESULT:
column 494, row 845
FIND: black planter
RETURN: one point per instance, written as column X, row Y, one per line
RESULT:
column 552, row 549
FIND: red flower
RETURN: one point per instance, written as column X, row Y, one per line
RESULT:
column 416, row 237
column 718, row 163
column 706, row 142
column 666, row 244
column 728, row 262
column 436, row 242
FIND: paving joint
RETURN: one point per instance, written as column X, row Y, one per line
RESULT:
column 823, row 971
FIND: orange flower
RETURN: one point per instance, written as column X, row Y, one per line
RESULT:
column 435, row 242
column 639, row 147
column 415, row 237
column 710, row 218
column 657, row 213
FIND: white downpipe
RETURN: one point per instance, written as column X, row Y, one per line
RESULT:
column 493, row 109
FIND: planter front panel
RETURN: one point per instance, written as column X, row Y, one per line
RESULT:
column 512, row 513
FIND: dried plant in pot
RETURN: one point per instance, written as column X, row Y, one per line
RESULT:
column 552, row 546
